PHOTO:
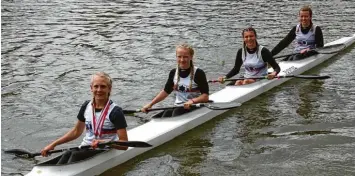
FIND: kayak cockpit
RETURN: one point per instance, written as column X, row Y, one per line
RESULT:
column 58, row 160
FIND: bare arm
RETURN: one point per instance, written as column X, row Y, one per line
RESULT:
column 71, row 135
column 161, row 96
column 203, row 98
column 122, row 135
column 163, row 93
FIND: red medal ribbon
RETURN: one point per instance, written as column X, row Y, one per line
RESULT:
column 98, row 127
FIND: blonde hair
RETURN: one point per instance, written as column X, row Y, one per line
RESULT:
column 188, row 47
column 192, row 69
column 102, row 75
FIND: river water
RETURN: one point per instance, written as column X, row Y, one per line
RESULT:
column 49, row 49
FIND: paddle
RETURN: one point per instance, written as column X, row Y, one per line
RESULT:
column 331, row 49
column 284, row 76
column 26, row 154
column 213, row 106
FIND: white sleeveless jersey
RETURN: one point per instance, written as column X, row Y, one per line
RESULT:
column 107, row 131
column 182, row 91
column 253, row 63
column 303, row 41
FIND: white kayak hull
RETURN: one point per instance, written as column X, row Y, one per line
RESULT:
column 159, row 131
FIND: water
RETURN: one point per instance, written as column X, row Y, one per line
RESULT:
column 49, row 49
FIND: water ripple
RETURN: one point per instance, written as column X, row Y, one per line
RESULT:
column 49, row 49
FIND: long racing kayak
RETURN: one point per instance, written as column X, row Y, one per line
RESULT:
column 161, row 130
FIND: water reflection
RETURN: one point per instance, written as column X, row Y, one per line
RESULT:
column 255, row 115
column 166, row 160
column 308, row 95
column 50, row 49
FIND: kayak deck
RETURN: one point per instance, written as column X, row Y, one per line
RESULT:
column 160, row 130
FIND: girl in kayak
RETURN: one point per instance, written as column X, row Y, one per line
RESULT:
column 308, row 36
column 103, row 120
column 254, row 57
column 188, row 82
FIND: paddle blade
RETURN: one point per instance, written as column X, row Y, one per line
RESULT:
column 132, row 143
column 221, row 106
column 311, row 77
column 20, row 153
column 16, row 152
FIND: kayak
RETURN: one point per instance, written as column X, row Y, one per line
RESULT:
column 161, row 130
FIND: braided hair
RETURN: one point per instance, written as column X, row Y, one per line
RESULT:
column 192, row 69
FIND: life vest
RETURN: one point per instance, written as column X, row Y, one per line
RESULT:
column 253, row 63
column 303, row 41
column 182, row 90
column 103, row 129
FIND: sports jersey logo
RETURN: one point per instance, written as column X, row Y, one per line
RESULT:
column 88, row 125
column 183, row 88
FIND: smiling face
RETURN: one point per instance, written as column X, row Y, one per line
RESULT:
column 183, row 57
column 100, row 87
column 305, row 18
column 249, row 39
